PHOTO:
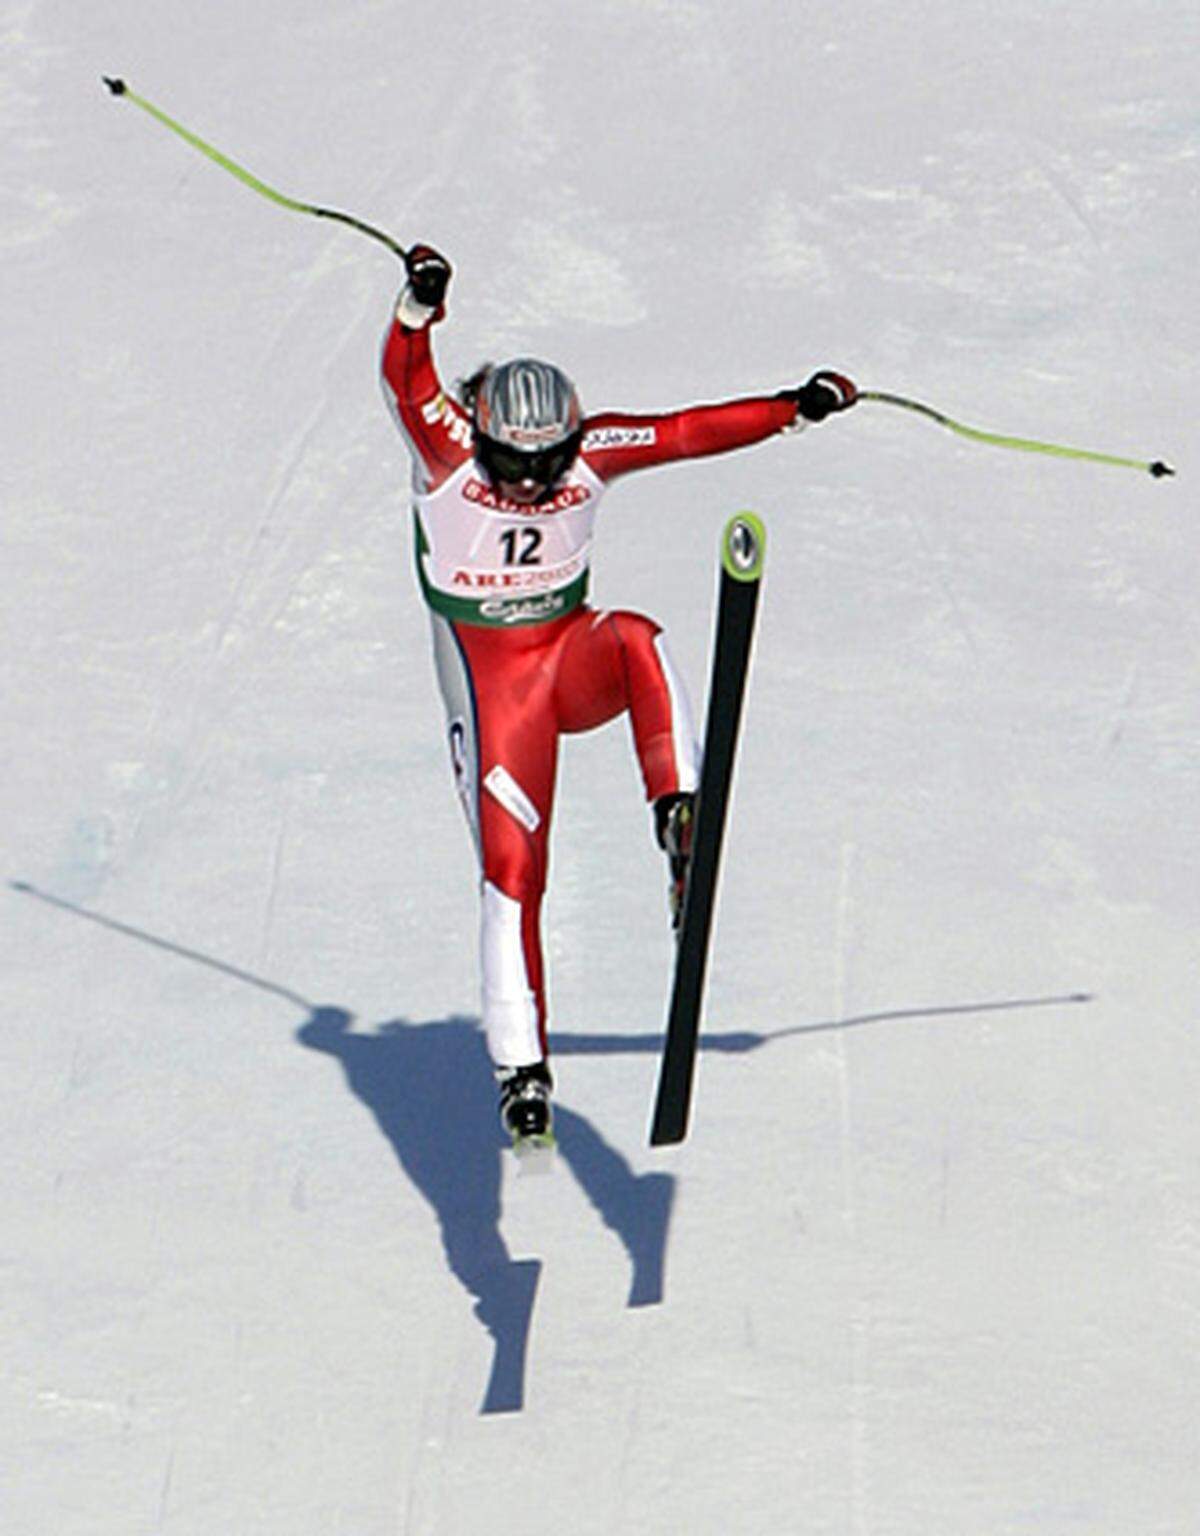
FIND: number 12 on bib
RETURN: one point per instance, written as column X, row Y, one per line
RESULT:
column 743, row 549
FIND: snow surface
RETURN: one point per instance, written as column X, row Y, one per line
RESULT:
column 928, row 1263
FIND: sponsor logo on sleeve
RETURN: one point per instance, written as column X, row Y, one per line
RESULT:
column 438, row 412
column 619, row 437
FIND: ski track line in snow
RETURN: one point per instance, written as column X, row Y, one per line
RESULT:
column 936, row 564
column 283, row 480
column 1126, row 704
column 843, row 921
column 1137, row 345
column 164, row 1497
column 456, row 125
column 1058, row 186
column 1116, row 728
column 1185, row 623
column 287, row 797
column 199, row 717
column 198, row 685
column 624, row 1518
column 421, row 1514
column 859, row 1320
column 292, row 460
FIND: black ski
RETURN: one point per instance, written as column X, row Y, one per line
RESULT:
column 743, row 548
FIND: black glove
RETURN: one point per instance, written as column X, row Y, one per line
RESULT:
column 428, row 275
column 825, row 393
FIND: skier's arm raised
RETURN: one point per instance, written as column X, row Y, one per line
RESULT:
column 616, row 443
column 435, row 426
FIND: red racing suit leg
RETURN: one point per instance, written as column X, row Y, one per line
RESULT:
column 510, row 694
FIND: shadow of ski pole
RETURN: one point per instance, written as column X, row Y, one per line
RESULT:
column 734, row 1042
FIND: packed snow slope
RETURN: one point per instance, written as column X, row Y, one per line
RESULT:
column 928, row 1264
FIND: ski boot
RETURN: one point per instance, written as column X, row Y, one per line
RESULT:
column 674, row 823
column 525, row 1105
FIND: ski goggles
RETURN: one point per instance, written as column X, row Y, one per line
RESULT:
column 544, row 466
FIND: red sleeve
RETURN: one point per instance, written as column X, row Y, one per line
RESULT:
column 615, row 444
column 435, row 426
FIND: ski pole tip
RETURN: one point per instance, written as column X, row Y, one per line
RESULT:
column 1158, row 469
column 116, row 86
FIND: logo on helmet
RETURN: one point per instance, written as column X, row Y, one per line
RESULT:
column 531, row 437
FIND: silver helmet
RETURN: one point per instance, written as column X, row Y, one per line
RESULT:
column 528, row 422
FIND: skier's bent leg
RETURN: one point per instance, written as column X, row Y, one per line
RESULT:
column 621, row 661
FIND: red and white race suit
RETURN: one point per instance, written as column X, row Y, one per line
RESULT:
column 521, row 658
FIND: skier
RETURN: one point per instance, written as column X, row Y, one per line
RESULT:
column 506, row 486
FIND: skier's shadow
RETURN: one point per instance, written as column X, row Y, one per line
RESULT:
column 431, row 1090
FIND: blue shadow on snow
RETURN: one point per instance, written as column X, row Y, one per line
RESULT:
column 431, row 1091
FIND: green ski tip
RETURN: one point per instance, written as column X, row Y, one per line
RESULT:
column 744, row 547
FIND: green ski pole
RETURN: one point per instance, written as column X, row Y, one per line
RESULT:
column 1156, row 467
column 119, row 88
